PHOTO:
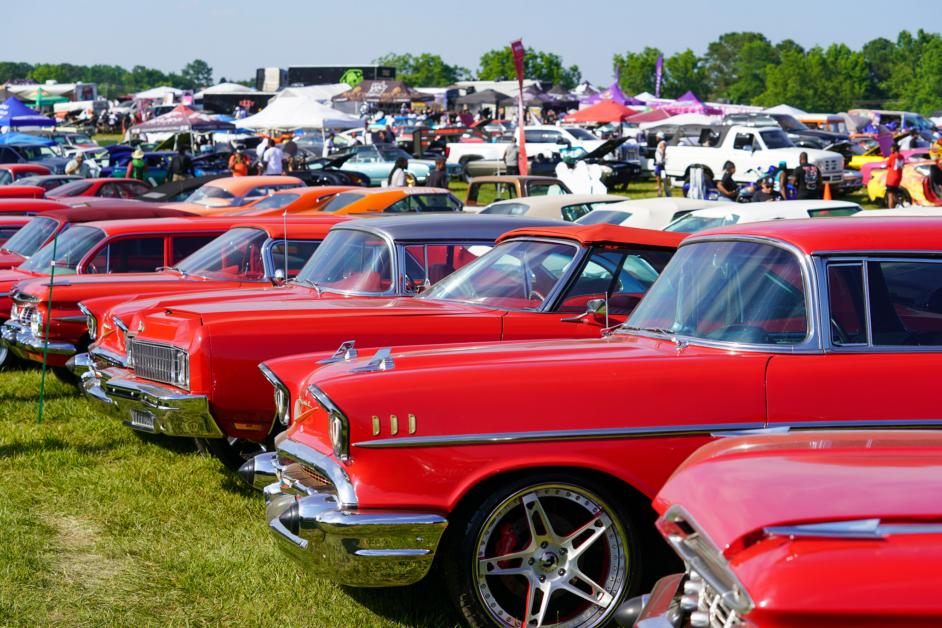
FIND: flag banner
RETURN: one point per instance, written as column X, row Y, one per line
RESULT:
column 517, row 48
column 657, row 77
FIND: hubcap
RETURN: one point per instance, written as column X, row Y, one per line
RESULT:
column 551, row 555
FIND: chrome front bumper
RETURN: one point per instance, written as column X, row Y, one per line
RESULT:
column 115, row 391
column 21, row 341
column 659, row 609
column 324, row 531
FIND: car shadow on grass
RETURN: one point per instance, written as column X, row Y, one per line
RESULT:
column 425, row 603
column 47, row 445
column 174, row 444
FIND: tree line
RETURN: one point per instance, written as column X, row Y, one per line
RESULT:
column 113, row 80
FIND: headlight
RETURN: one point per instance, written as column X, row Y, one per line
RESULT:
column 90, row 321
column 337, row 424
column 282, row 395
column 181, row 369
column 14, row 312
column 36, row 322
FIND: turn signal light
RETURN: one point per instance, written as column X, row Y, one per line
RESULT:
column 251, row 427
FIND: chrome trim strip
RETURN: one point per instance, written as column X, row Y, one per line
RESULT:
column 293, row 450
column 71, row 319
column 119, row 324
column 857, row 529
column 97, row 353
column 887, row 424
column 877, row 253
column 392, row 553
column 536, row 437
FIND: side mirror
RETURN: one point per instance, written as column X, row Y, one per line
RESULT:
column 279, row 278
column 409, row 286
column 596, row 306
column 562, row 140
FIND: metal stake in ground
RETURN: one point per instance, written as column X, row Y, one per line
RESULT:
column 52, row 277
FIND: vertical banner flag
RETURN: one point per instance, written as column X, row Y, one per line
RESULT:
column 517, row 48
column 657, row 77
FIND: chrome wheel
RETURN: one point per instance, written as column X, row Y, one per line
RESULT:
column 551, row 555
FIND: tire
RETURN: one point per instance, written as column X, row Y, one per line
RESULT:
column 234, row 452
column 567, row 502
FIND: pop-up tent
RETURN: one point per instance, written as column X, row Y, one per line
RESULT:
column 653, row 115
column 786, row 109
column 158, row 93
column 383, row 92
column 689, row 103
column 25, row 138
column 13, row 113
column 182, row 120
column 614, row 94
column 293, row 110
column 486, row 97
column 602, row 113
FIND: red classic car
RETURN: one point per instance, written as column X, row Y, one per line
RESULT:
column 106, row 246
column 360, row 284
column 22, row 191
column 541, row 458
column 247, row 255
column 28, row 206
column 10, row 226
column 814, row 529
column 14, row 172
column 103, row 188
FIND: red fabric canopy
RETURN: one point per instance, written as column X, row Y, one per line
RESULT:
column 604, row 112
column 649, row 116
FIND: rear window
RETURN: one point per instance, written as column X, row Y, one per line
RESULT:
column 211, row 195
column 276, row 201
column 30, row 238
column 837, row 211
column 340, row 201
column 511, row 209
column 604, row 216
column 693, row 224
column 545, row 189
column 76, row 188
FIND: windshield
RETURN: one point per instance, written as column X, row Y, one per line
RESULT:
column 791, row 124
column 776, row 139
column 340, row 201
column 581, row 134
column 30, row 238
column 6, row 177
column 236, row 254
column 75, row 188
column 82, row 140
column 211, row 196
column 691, row 223
column 34, row 153
column 350, row 261
column 728, row 291
column 516, row 275
column 276, row 201
column 391, row 154
column 71, row 247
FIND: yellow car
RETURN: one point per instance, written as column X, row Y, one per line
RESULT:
column 921, row 184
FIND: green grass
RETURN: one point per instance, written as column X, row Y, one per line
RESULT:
column 101, row 527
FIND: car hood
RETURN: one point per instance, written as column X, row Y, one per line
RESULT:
column 816, row 477
column 9, row 259
column 605, row 148
column 39, row 286
column 824, row 135
column 12, row 276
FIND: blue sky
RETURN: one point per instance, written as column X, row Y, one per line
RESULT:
column 239, row 36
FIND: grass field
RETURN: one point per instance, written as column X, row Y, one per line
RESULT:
column 102, row 527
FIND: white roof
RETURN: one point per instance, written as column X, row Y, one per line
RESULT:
column 914, row 210
column 650, row 213
column 320, row 93
column 740, row 213
column 787, row 109
column 223, row 88
column 158, row 92
column 551, row 206
column 294, row 109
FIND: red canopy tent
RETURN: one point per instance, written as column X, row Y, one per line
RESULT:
column 649, row 116
column 602, row 113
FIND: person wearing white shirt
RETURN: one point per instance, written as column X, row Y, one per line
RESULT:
column 397, row 178
column 260, row 150
column 274, row 160
column 328, row 146
column 911, row 141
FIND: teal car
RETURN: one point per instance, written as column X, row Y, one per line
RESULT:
column 377, row 163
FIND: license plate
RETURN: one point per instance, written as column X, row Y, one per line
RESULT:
column 142, row 420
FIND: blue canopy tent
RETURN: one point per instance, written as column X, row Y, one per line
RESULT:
column 13, row 113
column 23, row 138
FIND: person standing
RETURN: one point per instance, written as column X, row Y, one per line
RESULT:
column 328, row 146
column 137, row 167
column 727, row 187
column 78, row 167
column 274, row 160
column 911, row 141
column 660, row 159
column 261, row 148
column 181, row 166
column 894, row 176
column 512, row 157
column 807, row 179
column 239, row 163
column 397, row 178
column 438, row 178
column 290, row 148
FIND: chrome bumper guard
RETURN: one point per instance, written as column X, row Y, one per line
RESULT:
column 659, row 609
column 143, row 405
column 21, row 341
column 325, row 532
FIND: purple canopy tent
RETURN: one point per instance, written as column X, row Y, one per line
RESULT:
column 182, row 119
column 13, row 113
column 614, row 94
column 689, row 103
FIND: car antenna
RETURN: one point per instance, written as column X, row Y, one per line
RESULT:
column 284, row 217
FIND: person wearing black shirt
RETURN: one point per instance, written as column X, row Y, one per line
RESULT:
column 438, row 178
column 807, row 179
column 727, row 187
column 180, row 166
column 767, row 193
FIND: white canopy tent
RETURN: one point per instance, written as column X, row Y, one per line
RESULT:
column 158, row 93
column 321, row 93
column 294, row 110
column 785, row 109
column 223, row 88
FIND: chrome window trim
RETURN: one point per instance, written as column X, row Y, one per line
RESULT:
column 268, row 258
column 555, row 435
column 403, row 244
column 876, row 424
column 393, row 263
column 554, row 294
column 812, row 343
column 862, row 258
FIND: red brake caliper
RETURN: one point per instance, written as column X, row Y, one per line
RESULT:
column 505, row 543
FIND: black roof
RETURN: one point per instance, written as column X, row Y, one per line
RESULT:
column 95, row 213
column 446, row 226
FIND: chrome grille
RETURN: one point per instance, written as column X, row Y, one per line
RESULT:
column 721, row 615
column 315, row 476
column 152, row 361
column 24, row 313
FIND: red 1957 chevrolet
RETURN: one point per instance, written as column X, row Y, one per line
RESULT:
column 188, row 366
column 817, row 529
column 541, row 458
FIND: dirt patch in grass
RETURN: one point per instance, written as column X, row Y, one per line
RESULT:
column 77, row 558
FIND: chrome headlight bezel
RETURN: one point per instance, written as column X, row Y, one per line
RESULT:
column 90, row 322
column 338, row 426
column 282, row 396
column 14, row 312
column 36, row 322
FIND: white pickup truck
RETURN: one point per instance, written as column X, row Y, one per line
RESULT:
column 749, row 148
column 543, row 139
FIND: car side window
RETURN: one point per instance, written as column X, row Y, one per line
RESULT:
column 743, row 141
column 405, row 204
column 299, row 252
column 432, row 263
column 131, row 189
column 256, row 193
column 847, row 305
column 574, row 212
column 533, row 136
column 6, row 233
column 6, row 177
column 109, row 190
column 905, row 303
column 487, row 193
column 623, row 275
column 435, row 202
column 538, row 188
column 8, row 156
column 181, row 247
column 129, row 255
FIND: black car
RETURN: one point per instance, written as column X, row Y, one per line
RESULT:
column 34, row 154
column 799, row 133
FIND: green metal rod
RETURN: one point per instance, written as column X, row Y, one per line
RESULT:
column 52, row 277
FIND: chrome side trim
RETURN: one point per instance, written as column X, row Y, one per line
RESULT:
column 298, row 452
column 109, row 357
column 78, row 318
column 119, row 324
column 536, row 437
column 858, row 529
column 875, row 424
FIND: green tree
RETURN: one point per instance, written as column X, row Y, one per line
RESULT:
column 724, row 58
column 10, row 70
column 636, row 72
column 198, row 72
column 879, row 54
column 913, row 58
column 141, row 78
column 425, row 70
column 48, row 72
column 542, row 66
column 684, row 72
column 752, row 66
column 820, row 80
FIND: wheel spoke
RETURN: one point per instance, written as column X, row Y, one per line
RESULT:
column 538, row 616
column 598, row 531
column 501, row 571
column 537, row 508
column 601, row 597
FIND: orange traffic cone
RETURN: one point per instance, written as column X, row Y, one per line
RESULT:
column 827, row 191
